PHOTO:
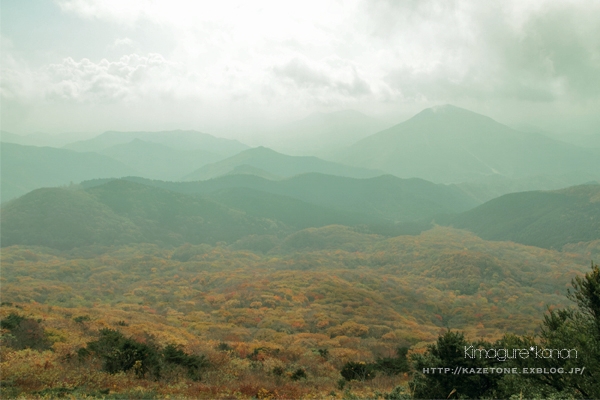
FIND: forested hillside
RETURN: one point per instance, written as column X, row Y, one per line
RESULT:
column 383, row 197
column 316, row 301
column 25, row 168
column 545, row 219
column 120, row 212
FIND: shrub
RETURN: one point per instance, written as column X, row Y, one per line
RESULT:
column 11, row 322
column 173, row 354
column 122, row 354
column 358, row 371
column 82, row 318
column 398, row 393
column 324, row 353
column 25, row 333
column 224, row 347
column 298, row 374
column 393, row 366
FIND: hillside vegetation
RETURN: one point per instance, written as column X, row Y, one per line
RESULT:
column 319, row 299
column 120, row 212
column 549, row 219
column 25, row 168
column 384, row 197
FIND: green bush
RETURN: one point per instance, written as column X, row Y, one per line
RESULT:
column 82, row 318
column 25, row 333
column 393, row 365
column 123, row 354
column 11, row 322
column 298, row 374
column 357, row 371
column 173, row 354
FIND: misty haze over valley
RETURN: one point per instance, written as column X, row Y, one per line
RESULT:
column 299, row 200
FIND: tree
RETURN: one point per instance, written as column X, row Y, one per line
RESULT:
column 578, row 329
column 122, row 354
column 431, row 380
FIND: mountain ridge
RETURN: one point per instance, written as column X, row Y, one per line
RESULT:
column 449, row 144
column 277, row 164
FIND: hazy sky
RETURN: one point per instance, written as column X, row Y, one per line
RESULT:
column 227, row 67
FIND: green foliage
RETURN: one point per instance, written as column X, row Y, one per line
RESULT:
column 448, row 352
column 298, row 374
column 358, row 371
column 194, row 364
column 75, row 392
column 577, row 329
column 393, row 365
column 12, row 321
column 398, row 393
column 324, row 353
column 82, row 318
column 123, row 354
column 224, row 347
column 25, row 333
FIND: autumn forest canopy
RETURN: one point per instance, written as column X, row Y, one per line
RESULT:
column 147, row 264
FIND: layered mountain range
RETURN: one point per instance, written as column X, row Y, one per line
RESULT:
column 448, row 144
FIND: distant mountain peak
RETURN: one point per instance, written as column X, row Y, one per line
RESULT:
column 447, row 108
column 451, row 113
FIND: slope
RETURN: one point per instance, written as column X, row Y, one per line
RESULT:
column 25, row 168
column 62, row 219
column 120, row 212
column 451, row 144
column 182, row 140
column 278, row 164
column 544, row 219
column 291, row 211
column 382, row 198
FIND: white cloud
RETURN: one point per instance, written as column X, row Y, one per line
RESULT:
column 286, row 59
column 131, row 78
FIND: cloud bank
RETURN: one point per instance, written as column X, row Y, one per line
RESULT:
column 274, row 60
